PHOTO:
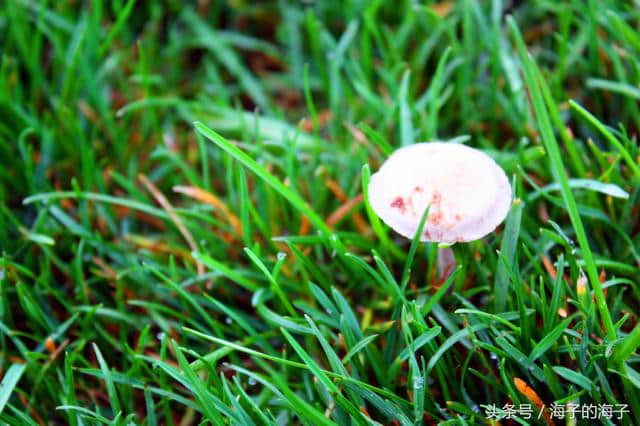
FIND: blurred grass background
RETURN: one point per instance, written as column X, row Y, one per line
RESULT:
column 154, row 272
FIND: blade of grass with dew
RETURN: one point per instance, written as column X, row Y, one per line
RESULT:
column 275, row 286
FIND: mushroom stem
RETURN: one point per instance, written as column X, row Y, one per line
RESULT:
column 446, row 262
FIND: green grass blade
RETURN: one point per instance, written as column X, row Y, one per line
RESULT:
column 9, row 382
column 555, row 157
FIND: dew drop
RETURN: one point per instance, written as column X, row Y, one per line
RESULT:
column 418, row 382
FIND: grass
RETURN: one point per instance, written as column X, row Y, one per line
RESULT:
column 185, row 234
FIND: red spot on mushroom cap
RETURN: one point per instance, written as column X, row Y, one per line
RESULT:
column 435, row 218
column 436, row 198
column 398, row 203
column 435, row 214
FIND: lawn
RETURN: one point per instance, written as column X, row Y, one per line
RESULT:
column 186, row 236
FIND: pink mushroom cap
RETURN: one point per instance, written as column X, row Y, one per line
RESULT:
column 468, row 193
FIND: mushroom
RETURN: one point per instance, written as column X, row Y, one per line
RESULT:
column 467, row 193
